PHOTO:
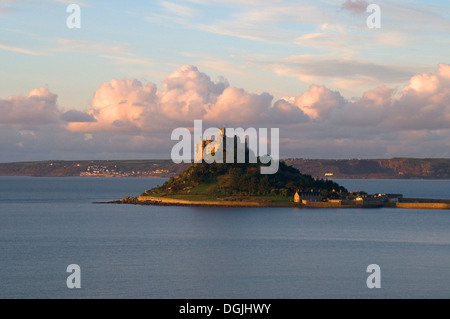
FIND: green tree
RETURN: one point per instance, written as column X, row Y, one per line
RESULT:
column 264, row 186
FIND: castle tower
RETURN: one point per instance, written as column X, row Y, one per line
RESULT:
column 213, row 145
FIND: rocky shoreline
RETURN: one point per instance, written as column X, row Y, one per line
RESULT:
column 164, row 202
column 152, row 201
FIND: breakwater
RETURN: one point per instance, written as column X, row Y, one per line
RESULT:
column 422, row 203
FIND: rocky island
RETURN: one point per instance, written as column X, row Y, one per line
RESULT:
column 220, row 184
column 242, row 185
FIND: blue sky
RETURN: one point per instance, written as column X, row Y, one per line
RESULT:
column 261, row 45
column 280, row 47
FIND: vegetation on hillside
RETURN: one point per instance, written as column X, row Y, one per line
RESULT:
column 224, row 180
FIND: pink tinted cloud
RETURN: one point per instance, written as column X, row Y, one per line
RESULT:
column 37, row 108
column 186, row 95
column 129, row 114
column 120, row 105
column 238, row 106
column 355, row 6
column 424, row 103
column 318, row 101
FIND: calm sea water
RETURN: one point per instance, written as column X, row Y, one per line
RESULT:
column 128, row 251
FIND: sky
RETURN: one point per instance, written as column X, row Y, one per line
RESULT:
column 116, row 87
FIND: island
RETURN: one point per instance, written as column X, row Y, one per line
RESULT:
column 242, row 185
column 239, row 185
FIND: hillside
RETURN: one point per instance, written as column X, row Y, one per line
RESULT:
column 211, row 181
column 406, row 168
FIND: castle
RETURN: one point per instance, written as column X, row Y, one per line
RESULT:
column 209, row 148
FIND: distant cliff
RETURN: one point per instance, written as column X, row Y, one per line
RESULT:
column 407, row 168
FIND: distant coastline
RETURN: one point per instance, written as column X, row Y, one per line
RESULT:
column 395, row 168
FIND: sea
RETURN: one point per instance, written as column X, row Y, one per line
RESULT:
column 132, row 251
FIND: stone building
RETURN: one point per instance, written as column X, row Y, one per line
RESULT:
column 301, row 197
column 210, row 147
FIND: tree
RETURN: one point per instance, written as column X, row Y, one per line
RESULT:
column 264, row 186
column 284, row 192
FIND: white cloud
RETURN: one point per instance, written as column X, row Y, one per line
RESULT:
column 16, row 49
column 178, row 9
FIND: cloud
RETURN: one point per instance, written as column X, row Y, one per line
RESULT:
column 285, row 113
column 425, row 102
column 120, row 105
column 128, row 118
column 255, row 20
column 86, row 46
column 37, row 108
column 235, row 105
column 370, row 111
column 422, row 104
column 76, row 116
column 356, row 6
column 318, row 101
column 117, row 52
column 6, row 47
column 311, row 68
column 186, row 95
column 178, row 9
